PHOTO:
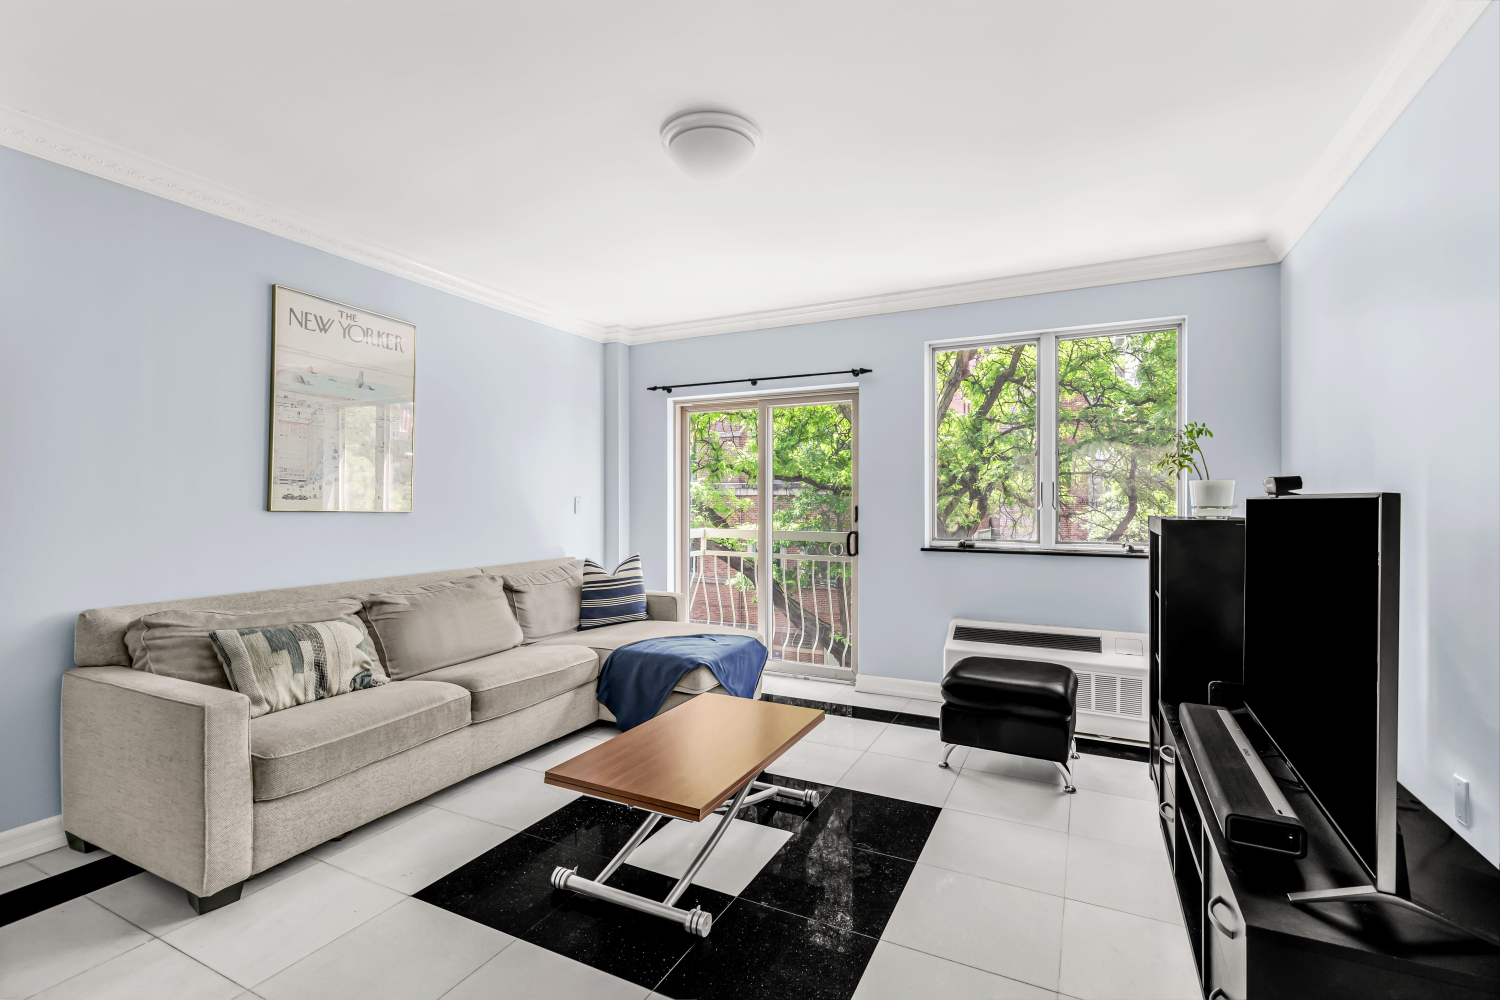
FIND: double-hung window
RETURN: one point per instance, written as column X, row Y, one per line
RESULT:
column 1050, row 440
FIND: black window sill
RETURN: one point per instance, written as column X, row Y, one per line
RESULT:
column 1094, row 553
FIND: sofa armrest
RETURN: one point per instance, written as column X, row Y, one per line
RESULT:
column 666, row 606
column 157, row 770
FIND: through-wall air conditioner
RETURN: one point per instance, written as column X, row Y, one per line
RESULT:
column 1111, row 667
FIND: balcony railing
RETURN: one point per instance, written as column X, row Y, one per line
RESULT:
column 811, row 598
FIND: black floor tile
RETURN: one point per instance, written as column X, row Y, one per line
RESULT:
column 759, row 951
column 621, row 941
column 508, row 887
column 876, row 823
column 822, row 876
column 1106, row 748
column 590, row 824
column 49, row 892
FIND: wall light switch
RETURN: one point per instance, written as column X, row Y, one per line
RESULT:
column 578, row 505
column 1461, row 800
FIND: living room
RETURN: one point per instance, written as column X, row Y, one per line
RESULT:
column 660, row 263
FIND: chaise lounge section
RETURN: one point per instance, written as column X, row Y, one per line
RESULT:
column 174, row 775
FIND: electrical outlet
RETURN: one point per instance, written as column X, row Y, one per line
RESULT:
column 1461, row 800
column 578, row 505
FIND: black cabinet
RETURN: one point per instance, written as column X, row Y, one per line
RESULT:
column 1197, row 610
column 1249, row 940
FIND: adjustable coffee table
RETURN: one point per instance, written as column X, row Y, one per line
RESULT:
column 699, row 760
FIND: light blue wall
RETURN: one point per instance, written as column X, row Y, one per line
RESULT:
column 136, row 340
column 1391, row 354
column 907, row 596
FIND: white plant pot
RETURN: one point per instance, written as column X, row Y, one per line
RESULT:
column 1214, row 493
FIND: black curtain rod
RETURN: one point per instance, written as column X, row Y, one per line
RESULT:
column 856, row 372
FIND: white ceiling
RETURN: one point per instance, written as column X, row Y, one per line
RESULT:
column 514, row 145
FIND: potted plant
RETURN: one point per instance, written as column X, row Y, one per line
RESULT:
column 1215, row 496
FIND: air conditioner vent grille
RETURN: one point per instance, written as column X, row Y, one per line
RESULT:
column 1043, row 640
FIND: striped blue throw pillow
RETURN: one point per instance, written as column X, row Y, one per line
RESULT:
column 610, row 600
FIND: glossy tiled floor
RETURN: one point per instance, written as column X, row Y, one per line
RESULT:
column 985, row 880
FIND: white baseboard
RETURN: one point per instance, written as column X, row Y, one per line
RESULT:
column 32, row 839
column 899, row 687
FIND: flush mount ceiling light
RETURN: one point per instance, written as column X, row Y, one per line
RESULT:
column 710, row 145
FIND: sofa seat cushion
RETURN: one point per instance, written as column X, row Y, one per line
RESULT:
column 302, row 747
column 609, row 638
column 507, row 682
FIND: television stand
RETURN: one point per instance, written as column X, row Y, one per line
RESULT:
column 1252, row 935
column 1370, row 894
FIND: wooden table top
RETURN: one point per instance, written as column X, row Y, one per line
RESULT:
column 688, row 761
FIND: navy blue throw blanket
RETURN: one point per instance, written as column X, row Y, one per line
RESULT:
column 636, row 680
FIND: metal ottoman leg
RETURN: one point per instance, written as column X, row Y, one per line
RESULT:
column 948, row 749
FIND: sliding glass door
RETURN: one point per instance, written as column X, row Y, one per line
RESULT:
column 772, row 545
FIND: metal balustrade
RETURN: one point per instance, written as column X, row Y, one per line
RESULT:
column 810, row 622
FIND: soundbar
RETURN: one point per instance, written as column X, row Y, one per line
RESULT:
column 1248, row 807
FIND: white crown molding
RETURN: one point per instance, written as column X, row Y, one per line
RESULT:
column 1424, row 47
column 1426, row 44
column 1166, row 265
column 49, row 141
column 28, row 841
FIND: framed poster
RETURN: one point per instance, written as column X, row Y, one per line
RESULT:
column 343, row 385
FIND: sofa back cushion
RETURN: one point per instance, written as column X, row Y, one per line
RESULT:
column 282, row 666
column 175, row 642
column 546, row 602
column 441, row 624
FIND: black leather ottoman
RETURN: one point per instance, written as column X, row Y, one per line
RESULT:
column 1024, row 707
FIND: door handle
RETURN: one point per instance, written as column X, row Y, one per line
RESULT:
column 851, row 543
column 1168, row 754
column 1213, row 918
column 1218, row 994
column 1167, row 810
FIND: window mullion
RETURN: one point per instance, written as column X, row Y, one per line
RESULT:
column 1046, row 363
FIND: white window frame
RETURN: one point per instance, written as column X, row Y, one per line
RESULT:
column 1046, row 510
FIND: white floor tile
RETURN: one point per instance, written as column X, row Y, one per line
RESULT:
column 150, row 972
column 512, row 797
column 374, row 828
column 14, row 876
column 1130, row 778
column 818, row 762
column 554, row 753
column 900, row 778
column 1109, row 955
column 276, row 873
column 1134, row 879
column 917, row 744
column 738, row 858
column 838, row 731
column 254, row 939
column 65, row 859
column 413, row 951
column 158, row 906
column 897, row 973
column 417, row 853
column 1010, row 765
column 1011, row 798
column 1004, row 929
column 1032, row 857
column 525, row 971
column 47, row 948
column 152, row 904
column 1117, row 818
column 921, row 706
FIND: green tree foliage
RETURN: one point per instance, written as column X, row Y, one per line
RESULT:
column 986, row 447
column 1117, row 410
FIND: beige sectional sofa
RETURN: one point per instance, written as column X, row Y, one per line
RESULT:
column 175, row 776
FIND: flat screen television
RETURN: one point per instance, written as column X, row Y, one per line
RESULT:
column 1322, row 579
